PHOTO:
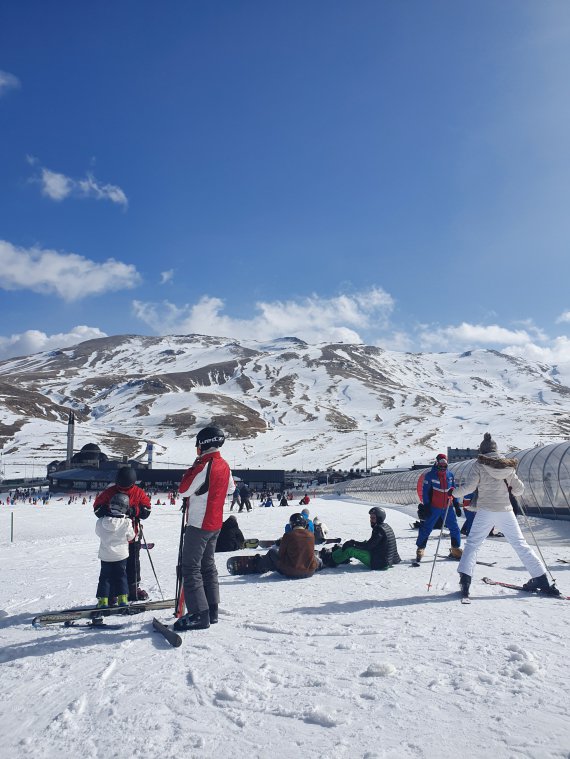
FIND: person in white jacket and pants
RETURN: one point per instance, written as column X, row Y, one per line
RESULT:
column 492, row 476
column 114, row 531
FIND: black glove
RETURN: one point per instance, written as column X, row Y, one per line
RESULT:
column 132, row 512
column 424, row 510
column 457, row 508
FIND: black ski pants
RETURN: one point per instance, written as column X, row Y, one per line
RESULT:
column 112, row 579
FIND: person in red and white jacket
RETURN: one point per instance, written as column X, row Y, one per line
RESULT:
column 204, row 488
column 139, row 508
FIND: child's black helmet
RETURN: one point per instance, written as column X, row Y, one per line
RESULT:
column 210, row 437
column 119, row 505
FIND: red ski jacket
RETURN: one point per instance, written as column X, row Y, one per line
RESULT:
column 138, row 500
column 206, row 485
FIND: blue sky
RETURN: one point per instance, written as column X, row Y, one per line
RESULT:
column 396, row 173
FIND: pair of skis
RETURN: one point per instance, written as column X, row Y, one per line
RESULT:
column 96, row 617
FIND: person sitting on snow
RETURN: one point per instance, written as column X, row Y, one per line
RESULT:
column 230, row 537
column 295, row 555
column 320, row 529
column 380, row 551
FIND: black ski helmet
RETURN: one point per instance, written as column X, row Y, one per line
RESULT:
column 119, row 505
column 380, row 514
column 297, row 520
column 126, row 476
column 210, row 437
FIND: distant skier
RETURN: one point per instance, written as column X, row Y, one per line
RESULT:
column 114, row 531
column 204, row 488
column 139, row 508
column 235, row 499
column 380, row 551
column 437, row 488
column 495, row 478
column 245, row 494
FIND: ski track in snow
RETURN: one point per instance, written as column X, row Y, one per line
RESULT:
column 349, row 663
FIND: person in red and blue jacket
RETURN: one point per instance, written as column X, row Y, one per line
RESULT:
column 437, row 489
column 204, row 488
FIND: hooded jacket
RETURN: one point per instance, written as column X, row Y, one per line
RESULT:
column 231, row 537
column 492, row 476
column 297, row 553
column 115, row 533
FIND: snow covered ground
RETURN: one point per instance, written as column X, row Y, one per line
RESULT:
column 349, row 663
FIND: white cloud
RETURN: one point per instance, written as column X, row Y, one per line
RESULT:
column 564, row 317
column 8, row 82
column 465, row 335
column 166, row 276
column 313, row 318
column 34, row 341
column 59, row 186
column 532, row 343
column 67, row 275
column 55, row 186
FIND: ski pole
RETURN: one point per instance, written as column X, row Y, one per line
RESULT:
column 439, row 541
column 179, row 602
column 536, row 543
column 150, row 559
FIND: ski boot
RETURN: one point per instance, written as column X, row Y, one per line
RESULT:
column 464, row 583
column 102, row 603
column 213, row 612
column 326, row 557
column 455, row 553
column 123, row 600
column 198, row 621
column 420, row 554
column 137, row 594
column 541, row 584
column 113, row 600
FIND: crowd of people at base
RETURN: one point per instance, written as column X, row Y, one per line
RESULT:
column 34, row 496
column 490, row 492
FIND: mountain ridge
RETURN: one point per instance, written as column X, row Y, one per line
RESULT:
column 283, row 403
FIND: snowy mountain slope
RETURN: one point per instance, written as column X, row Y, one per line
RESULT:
column 283, row 403
column 349, row 663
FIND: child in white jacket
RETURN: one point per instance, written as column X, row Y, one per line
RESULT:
column 115, row 532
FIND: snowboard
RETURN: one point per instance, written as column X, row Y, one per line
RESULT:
column 242, row 565
column 269, row 543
